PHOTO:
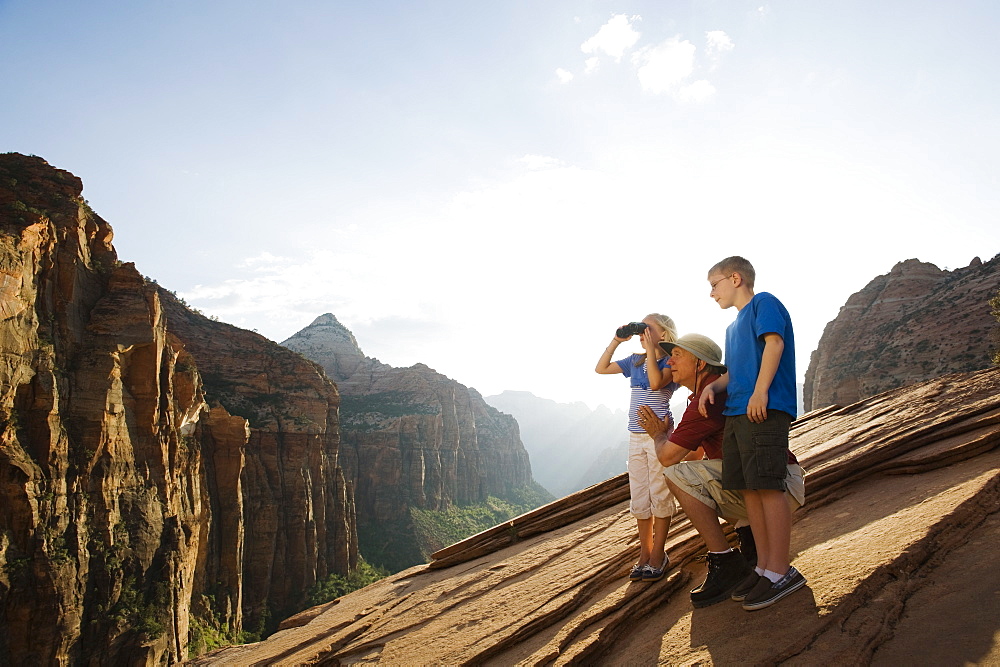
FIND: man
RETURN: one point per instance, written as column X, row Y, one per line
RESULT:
column 695, row 361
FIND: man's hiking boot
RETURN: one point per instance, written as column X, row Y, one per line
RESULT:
column 725, row 572
column 747, row 545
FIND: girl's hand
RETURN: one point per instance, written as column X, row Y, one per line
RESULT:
column 647, row 341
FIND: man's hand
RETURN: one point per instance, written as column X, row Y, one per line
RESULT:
column 757, row 407
column 707, row 396
column 652, row 424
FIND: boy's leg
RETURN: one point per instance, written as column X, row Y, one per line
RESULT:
column 778, row 520
column 764, row 456
column 759, row 527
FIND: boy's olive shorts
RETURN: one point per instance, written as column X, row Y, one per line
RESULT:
column 755, row 456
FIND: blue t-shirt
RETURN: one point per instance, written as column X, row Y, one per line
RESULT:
column 745, row 348
column 658, row 400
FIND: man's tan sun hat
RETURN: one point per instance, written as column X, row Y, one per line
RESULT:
column 700, row 346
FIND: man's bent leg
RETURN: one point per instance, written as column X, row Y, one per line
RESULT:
column 703, row 518
column 726, row 568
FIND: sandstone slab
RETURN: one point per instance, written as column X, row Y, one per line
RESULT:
column 900, row 486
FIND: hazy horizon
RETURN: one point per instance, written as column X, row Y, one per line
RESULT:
column 492, row 189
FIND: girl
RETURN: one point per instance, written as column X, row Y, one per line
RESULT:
column 652, row 385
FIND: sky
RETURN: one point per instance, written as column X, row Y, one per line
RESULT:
column 492, row 188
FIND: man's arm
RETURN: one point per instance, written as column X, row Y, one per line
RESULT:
column 774, row 345
column 669, row 453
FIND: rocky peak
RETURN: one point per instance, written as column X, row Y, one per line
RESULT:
column 915, row 323
column 411, row 439
column 327, row 339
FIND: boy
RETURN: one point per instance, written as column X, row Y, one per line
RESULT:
column 761, row 403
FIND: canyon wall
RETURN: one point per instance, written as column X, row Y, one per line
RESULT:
column 915, row 323
column 159, row 472
column 411, row 438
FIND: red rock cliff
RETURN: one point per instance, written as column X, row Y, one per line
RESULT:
column 913, row 324
column 133, row 497
column 411, row 438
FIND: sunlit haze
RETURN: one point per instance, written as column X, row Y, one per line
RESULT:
column 492, row 188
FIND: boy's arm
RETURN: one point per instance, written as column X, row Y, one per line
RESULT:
column 709, row 392
column 774, row 345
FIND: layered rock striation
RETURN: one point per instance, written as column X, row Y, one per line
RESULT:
column 159, row 472
column 411, row 438
column 896, row 541
column 915, row 323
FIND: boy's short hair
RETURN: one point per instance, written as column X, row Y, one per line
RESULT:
column 736, row 264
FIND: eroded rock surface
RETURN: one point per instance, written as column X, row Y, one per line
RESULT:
column 915, row 323
column 901, row 487
column 411, row 437
column 136, row 501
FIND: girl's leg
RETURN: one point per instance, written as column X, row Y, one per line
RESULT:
column 645, row 540
column 641, row 508
column 661, row 502
column 659, row 541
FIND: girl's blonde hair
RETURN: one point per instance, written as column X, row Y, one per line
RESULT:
column 668, row 326
column 669, row 332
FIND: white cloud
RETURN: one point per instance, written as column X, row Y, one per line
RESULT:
column 590, row 65
column 565, row 76
column 614, row 38
column 718, row 41
column 699, row 91
column 717, row 44
column 662, row 68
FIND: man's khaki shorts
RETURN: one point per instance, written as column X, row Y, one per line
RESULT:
column 703, row 481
